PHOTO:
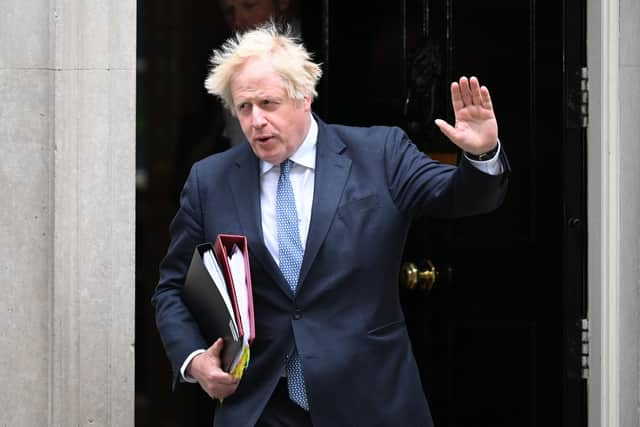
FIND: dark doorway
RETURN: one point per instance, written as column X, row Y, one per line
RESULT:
column 497, row 339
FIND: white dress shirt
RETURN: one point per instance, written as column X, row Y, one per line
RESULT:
column 302, row 174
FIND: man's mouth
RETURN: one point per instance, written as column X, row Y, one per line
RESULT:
column 263, row 139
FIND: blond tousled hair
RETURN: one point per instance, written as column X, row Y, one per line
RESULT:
column 288, row 56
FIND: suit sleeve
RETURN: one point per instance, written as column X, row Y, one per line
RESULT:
column 421, row 185
column 179, row 332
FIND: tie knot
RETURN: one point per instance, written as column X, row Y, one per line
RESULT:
column 285, row 167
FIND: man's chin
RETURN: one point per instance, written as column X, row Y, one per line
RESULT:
column 268, row 156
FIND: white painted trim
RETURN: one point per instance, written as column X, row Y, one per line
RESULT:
column 603, row 19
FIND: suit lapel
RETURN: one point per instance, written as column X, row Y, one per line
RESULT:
column 332, row 170
column 245, row 188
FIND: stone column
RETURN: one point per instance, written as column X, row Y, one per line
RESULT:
column 613, row 47
column 67, row 140
column 629, row 72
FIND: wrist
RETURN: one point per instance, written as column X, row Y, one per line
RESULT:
column 186, row 368
column 487, row 155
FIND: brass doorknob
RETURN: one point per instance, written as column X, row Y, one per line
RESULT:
column 411, row 277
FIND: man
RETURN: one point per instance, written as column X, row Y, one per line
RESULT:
column 326, row 210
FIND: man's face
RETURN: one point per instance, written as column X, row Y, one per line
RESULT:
column 244, row 14
column 274, row 124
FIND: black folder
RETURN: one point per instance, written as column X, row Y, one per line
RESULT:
column 208, row 307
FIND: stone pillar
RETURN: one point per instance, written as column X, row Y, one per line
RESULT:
column 67, row 140
column 629, row 386
column 614, row 212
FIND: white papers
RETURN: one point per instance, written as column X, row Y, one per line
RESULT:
column 213, row 268
column 236, row 265
column 239, row 279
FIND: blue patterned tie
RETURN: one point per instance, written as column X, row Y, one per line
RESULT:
column 290, row 253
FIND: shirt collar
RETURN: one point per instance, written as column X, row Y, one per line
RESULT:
column 305, row 155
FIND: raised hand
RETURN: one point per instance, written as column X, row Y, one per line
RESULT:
column 476, row 129
column 205, row 368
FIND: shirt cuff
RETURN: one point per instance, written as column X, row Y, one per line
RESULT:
column 183, row 368
column 493, row 166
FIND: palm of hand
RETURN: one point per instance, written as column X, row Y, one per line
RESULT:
column 476, row 128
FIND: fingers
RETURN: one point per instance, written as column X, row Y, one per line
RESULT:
column 448, row 130
column 475, row 91
column 486, row 98
column 219, row 384
column 215, row 350
column 456, row 97
column 461, row 93
column 207, row 370
column 219, row 390
column 467, row 92
column 218, row 374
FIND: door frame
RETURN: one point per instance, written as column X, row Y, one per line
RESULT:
column 603, row 152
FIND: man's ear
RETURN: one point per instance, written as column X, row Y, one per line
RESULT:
column 304, row 103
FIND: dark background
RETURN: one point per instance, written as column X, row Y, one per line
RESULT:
column 496, row 340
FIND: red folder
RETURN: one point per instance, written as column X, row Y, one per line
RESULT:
column 207, row 305
column 222, row 248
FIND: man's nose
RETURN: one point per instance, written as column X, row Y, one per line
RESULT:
column 257, row 118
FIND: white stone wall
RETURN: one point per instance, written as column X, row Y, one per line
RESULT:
column 613, row 48
column 630, row 213
column 26, row 222
column 67, row 141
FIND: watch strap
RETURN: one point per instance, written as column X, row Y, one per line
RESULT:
column 488, row 155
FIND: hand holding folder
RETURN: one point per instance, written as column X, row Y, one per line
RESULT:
column 218, row 293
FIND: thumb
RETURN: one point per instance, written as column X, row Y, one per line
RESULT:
column 448, row 130
column 215, row 350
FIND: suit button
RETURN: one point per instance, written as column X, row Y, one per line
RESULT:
column 296, row 314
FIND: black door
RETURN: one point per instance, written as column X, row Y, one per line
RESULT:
column 497, row 338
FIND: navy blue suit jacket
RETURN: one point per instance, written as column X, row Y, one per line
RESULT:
column 346, row 320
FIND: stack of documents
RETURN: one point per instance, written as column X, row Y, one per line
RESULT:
column 218, row 293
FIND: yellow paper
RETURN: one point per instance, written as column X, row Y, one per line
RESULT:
column 242, row 364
